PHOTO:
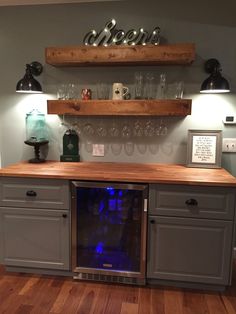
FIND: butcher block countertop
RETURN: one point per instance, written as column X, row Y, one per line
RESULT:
column 121, row 172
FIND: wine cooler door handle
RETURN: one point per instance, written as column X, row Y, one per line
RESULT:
column 145, row 205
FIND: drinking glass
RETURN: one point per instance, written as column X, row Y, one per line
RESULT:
column 138, row 85
column 163, row 130
column 138, row 129
column 179, row 90
column 150, row 89
column 149, row 129
column 114, row 130
column 102, row 91
column 162, row 86
column 129, row 148
column 62, row 92
column 88, row 129
column 126, row 131
column 101, row 130
column 72, row 91
column 116, row 148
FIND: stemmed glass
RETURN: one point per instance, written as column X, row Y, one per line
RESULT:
column 126, row 131
column 138, row 129
column 149, row 129
column 101, row 129
column 161, row 129
column 114, row 130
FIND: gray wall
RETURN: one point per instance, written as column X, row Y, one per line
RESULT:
column 26, row 30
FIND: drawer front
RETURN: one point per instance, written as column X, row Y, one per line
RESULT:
column 192, row 201
column 34, row 193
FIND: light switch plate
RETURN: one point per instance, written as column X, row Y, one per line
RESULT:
column 229, row 145
column 98, row 150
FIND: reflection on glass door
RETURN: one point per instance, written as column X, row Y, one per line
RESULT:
column 109, row 226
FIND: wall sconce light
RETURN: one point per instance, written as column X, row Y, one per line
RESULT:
column 215, row 83
column 28, row 84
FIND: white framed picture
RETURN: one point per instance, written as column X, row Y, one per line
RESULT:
column 204, row 148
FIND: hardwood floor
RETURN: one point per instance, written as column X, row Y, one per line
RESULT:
column 24, row 293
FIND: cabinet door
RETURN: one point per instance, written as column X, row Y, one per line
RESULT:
column 190, row 250
column 34, row 238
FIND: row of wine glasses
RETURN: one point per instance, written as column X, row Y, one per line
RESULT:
column 128, row 148
column 119, row 129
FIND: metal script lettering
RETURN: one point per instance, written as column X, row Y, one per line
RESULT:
column 110, row 36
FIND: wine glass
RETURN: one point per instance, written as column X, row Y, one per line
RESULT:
column 126, row 131
column 129, row 148
column 138, row 129
column 114, row 130
column 149, row 129
column 101, row 130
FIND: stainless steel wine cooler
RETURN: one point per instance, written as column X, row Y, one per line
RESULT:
column 109, row 231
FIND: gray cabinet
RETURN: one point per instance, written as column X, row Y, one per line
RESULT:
column 190, row 234
column 35, row 238
column 35, row 223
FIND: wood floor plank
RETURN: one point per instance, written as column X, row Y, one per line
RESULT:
column 228, row 305
column 214, row 304
column 157, row 301
column 74, row 297
column 35, row 294
column 61, row 297
column 28, row 285
column 173, row 299
column 144, row 300
column 194, row 302
column 129, row 308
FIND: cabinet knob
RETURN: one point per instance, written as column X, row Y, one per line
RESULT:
column 64, row 215
column 191, row 202
column 31, row 193
column 152, row 221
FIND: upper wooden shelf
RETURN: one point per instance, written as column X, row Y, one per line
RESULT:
column 158, row 107
column 175, row 54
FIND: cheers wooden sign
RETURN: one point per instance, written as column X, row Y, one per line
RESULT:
column 111, row 36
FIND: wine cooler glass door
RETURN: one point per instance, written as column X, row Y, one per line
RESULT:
column 109, row 228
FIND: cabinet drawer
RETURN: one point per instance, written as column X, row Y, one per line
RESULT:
column 192, row 201
column 34, row 193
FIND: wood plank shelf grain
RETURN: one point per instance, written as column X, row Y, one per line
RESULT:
column 158, row 107
column 174, row 54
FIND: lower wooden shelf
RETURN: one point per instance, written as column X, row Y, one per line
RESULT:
column 157, row 107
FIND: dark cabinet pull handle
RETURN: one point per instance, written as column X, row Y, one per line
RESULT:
column 191, row 202
column 152, row 221
column 31, row 193
column 64, row 215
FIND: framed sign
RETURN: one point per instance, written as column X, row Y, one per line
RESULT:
column 204, row 149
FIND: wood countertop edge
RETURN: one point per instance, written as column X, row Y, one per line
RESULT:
column 114, row 179
column 65, row 171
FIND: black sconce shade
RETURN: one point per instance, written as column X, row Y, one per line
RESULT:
column 28, row 84
column 215, row 83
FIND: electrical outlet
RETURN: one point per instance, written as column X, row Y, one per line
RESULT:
column 98, row 150
column 229, row 145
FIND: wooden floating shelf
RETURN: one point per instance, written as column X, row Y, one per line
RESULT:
column 175, row 54
column 158, row 107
